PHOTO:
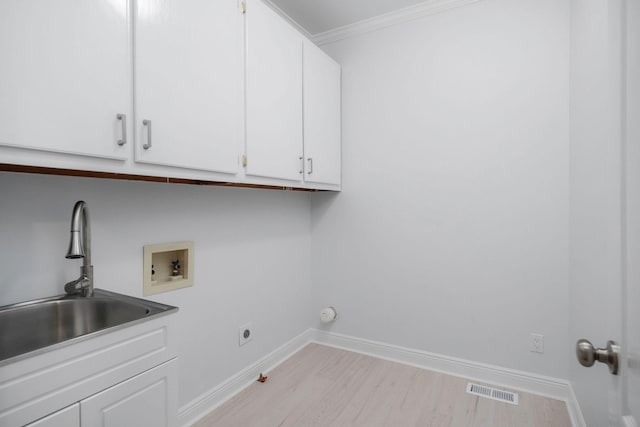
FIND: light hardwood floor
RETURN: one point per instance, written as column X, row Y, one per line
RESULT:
column 325, row 386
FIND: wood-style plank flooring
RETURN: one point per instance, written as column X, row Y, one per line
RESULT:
column 325, row 386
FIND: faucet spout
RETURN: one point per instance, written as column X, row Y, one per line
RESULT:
column 80, row 247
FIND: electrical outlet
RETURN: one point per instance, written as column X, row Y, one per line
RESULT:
column 245, row 334
column 536, row 343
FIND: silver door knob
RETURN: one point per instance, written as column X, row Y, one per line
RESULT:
column 588, row 355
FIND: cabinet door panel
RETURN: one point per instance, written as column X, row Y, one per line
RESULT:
column 188, row 80
column 321, row 116
column 65, row 75
column 148, row 399
column 67, row 417
column 274, row 95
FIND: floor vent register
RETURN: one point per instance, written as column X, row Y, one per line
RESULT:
column 492, row 393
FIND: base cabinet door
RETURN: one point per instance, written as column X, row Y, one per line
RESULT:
column 148, row 399
column 67, row 417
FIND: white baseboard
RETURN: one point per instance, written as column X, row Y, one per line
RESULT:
column 208, row 401
column 503, row 377
column 574, row 409
column 490, row 374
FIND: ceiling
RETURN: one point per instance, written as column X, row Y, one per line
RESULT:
column 318, row 16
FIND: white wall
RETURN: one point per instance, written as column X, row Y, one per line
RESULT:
column 451, row 233
column 252, row 250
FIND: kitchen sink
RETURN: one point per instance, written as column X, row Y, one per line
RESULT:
column 38, row 325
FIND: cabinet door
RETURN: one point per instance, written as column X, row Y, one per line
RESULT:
column 148, row 399
column 321, row 116
column 67, row 417
column 65, row 75
column 188, row 66
column 274, row 95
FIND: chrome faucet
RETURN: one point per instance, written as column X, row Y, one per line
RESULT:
column 80, row 247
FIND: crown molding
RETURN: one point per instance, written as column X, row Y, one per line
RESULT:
column 289, row 19
column 428, row 7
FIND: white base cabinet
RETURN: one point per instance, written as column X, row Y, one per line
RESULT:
column 148, row 399
column 118, row 378
column 67, row 417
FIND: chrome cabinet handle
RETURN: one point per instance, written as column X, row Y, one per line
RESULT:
column 123, row 122
column 147, row 123
column 310, row 160
column 301, row 171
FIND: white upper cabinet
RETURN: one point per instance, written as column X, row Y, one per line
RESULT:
column 293, row 103
column 274, row 95
column 188, row 77
column 65, row 76
column 321, row 82
column 169, row 88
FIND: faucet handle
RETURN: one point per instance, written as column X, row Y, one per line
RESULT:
column 76, row 286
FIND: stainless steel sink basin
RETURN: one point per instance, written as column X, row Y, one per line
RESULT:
column 36, row 325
